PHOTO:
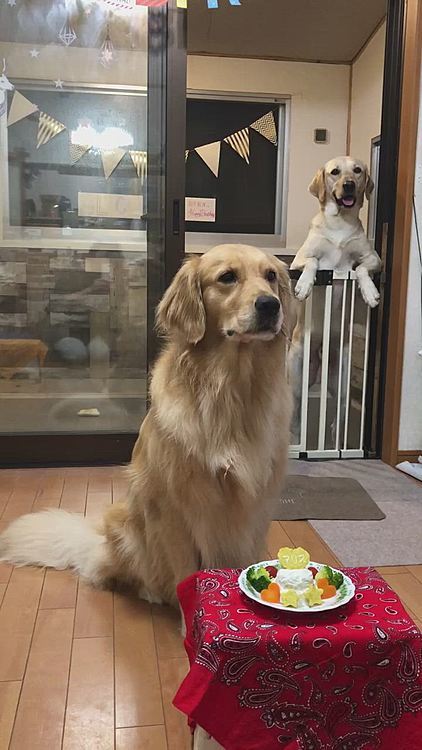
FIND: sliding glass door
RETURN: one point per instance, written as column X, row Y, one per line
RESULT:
column 85, row 250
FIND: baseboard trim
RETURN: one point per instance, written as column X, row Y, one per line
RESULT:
column 411, row 456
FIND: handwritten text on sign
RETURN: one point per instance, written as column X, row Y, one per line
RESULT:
column 200, row 209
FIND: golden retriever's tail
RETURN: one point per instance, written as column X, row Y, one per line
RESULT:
column 55, row 539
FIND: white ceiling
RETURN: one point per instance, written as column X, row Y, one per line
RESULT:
column 314, row 30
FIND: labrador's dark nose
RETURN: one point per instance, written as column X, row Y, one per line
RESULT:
column 267, row 306
column 349, row 187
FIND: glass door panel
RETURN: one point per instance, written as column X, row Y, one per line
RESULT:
column 73, row 249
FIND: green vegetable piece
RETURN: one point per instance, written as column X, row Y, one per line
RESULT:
column 258, row 578
column 333, row 578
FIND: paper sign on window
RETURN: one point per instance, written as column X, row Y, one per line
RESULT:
column 200, row 209
column 109, row 205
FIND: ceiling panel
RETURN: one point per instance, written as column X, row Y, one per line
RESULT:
column 314, row 30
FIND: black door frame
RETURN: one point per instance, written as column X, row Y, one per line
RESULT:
column 384, row 232
column 165, row 237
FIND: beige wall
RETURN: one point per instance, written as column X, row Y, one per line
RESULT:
column 319, row 99
column 74, row 65
column 366, row 100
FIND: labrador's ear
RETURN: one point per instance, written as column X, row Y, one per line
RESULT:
column 182, row 310
column 286, row 297
column 369, row 184
column 317, row 186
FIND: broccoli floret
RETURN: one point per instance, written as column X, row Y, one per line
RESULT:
column 258, row 578
column 333, row 578
column 337, row 579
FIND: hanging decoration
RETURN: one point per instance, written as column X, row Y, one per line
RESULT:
column 48, row 128
column 5, row 85
column 20, row 107
column 210, row 154
column 187, row 152
column 67, row 33
column 77, row 151
column 111, row 159
column 240, row 143
column 107, row 49
column 265, row 126
column 214, row 3
column 139, row 160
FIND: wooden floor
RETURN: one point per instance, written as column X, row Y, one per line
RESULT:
column 89, row 670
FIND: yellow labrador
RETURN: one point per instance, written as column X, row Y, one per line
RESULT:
column 211, row 453
column 336, row 239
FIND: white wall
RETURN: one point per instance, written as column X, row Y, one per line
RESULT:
column 319, row 99
column 366, row 101
column 410, row 436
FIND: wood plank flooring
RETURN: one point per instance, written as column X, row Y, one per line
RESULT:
column 91, row 670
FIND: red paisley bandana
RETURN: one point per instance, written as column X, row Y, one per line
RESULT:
column 347, row 679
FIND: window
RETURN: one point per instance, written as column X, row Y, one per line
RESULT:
column 243, row 174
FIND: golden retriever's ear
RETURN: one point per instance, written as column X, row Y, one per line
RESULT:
column 317, row 186
column 369, row 185
column 286, row 297
column 182, row 310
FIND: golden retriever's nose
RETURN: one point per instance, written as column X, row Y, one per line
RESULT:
column 349, row 187
column 267, row 306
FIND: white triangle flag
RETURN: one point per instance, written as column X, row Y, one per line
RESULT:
column 20, row 107
column 240, row 143
column 210, row 154
column 111, row 159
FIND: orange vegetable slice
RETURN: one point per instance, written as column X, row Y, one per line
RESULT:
column 271, row 596
column 328, row 592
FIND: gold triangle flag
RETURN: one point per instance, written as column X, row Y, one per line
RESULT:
column 76, row 151
column 266, row 127
column 111, row 159
column 139, row 159
column 210, row 154
column 20, row 107
column 48, row 128
column 240, row 143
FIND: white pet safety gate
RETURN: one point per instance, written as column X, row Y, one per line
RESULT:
column 328, row 369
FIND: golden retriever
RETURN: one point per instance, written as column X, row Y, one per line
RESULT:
column 211, row 452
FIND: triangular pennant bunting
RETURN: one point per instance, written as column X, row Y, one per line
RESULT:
column 266, row 127
column 111, row 159
column 139, row 159
column 76, row 151
column 20, row 107
column 48, row 128
column 240, row 143
column 210, row 154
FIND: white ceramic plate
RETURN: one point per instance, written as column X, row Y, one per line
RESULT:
column 344, row 594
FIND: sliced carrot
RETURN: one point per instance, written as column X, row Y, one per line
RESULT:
column 328, row 592
column 322, row 583
column 275, row 588
column 270, row 596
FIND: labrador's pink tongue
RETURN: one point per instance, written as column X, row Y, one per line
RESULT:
column 348, row 202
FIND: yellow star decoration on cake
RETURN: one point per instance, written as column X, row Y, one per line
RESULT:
column 289, row 598
column 313, row 595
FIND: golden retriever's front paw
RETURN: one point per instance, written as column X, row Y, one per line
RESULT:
column 370, row 293
column 303, row 288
